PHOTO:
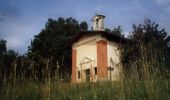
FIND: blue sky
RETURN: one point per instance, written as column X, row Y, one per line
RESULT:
column 20, row 20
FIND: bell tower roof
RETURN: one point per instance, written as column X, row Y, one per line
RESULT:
column 98, row 22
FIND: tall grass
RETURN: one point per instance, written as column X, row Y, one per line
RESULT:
column 152, row 86
column 129, row 90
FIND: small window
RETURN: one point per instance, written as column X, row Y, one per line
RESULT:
column 95, row 70
column 78, row 74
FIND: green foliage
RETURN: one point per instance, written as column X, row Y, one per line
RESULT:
column 51, row 43
column 120, row 90
column 148, row 35
column 7, row 57
column 55, row 88
column 2, row 51
column 147, row 39
column 147, row 53
column 117, row 31
column 11, row 64
column 2, row 46
column 83, row 25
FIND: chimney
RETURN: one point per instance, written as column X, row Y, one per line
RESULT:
column 98, row 22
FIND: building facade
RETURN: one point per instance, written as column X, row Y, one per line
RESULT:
column 96, row 54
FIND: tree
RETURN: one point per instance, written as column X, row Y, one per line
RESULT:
column 50, row 43
column 116, row 31
column 7, row 59
column 83, row 25
column 2, row 46
column 149, row 39
column 2, row 51
column 9, row 63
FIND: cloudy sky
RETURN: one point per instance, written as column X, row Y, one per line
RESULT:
column 20, row 20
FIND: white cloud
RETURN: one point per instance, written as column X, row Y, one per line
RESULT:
column 13, row 42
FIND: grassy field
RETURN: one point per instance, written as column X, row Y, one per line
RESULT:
column 153, row 85
column 119, row 90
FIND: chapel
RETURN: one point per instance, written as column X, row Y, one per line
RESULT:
column 96, row 54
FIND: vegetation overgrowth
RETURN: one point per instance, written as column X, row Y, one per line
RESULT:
column 118, row 90
column 39, row 75
column 153, row 86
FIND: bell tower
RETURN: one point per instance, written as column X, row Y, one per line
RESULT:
column 98, row 22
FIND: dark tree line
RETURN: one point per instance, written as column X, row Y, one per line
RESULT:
column 7, row 58
column 116, row 30
column 50, row 44
column 48, row 56
column 150, row 44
